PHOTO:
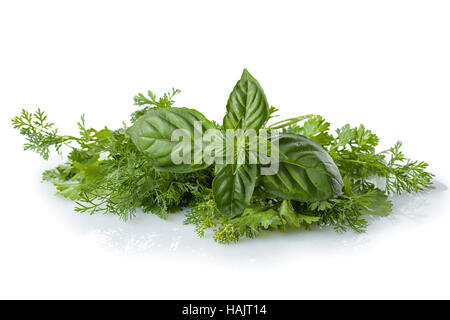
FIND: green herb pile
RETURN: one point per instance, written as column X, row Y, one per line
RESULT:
column 324, row 178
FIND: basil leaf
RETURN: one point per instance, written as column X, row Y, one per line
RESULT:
column 152, row 135
column 233, row 188
column 247, row 106
column 306, row 171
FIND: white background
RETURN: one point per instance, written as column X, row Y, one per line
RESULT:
column 382, row 63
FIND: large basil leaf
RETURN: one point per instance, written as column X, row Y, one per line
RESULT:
column 306, row 171
column 247, row 106
column 152, row 134
column 233, row 188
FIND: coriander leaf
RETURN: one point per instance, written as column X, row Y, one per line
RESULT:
column 252, row 221
column 69, row 190
column 315, row 128
column 294, row 219
column 379, row 206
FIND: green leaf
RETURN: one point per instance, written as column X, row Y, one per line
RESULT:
column 380, row 205
column 308, row 220
column 320, row 205
column 152, row 135
column 252, row 221
column 295, row 219
column 358, row 139
column 306, row 171
column 247, row 106
column 233, row 188
column 71, row 191
column 315, row 128
column 288, row 214
column 255, row 218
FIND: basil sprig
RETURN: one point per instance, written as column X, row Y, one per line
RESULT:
column 306, row 171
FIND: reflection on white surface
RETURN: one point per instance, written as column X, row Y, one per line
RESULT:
column 148, row 234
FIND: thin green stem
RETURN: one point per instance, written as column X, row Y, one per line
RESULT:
column 287, row 122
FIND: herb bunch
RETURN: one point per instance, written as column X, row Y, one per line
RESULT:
column 117, row 171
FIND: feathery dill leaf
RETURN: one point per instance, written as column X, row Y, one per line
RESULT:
column 39, row 133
